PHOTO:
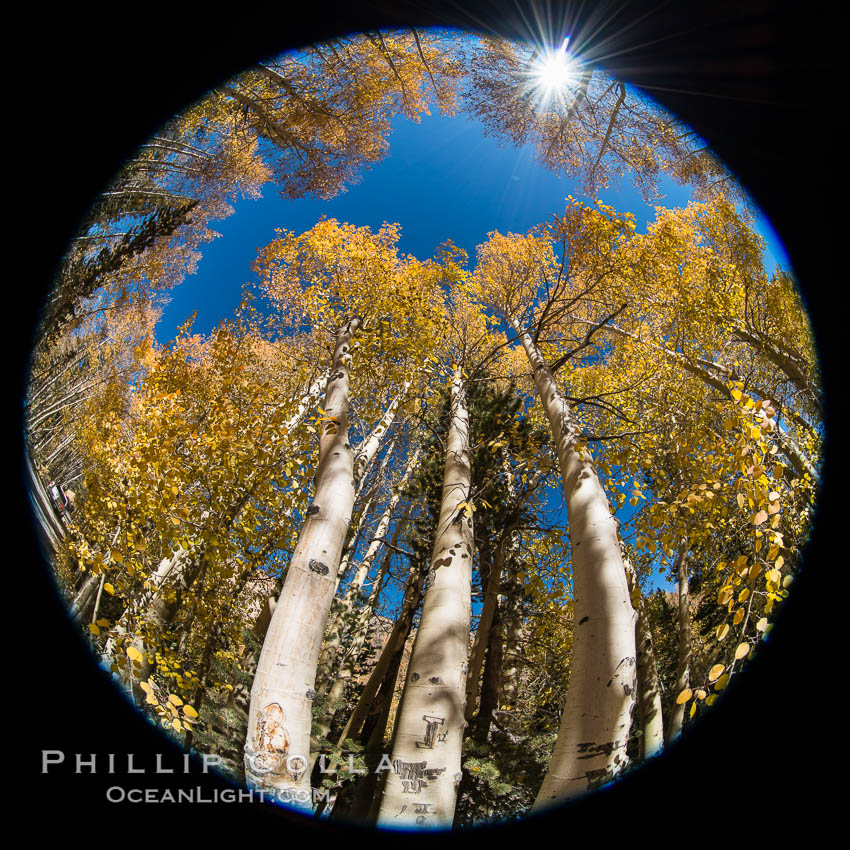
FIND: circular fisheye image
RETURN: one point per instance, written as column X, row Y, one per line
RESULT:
column 425, row 427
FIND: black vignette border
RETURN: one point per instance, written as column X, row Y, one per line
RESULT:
column 756, row 78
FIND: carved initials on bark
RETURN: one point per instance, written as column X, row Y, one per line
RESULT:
column 431, row 724
column 414, row 773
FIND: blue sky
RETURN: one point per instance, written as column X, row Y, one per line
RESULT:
column 441, row 179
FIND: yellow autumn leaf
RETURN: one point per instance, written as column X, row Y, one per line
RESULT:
column 722, row 631
column 684, row 696
column 760, row 517
column 109, row 589
column 742, row 651
column 134, row 655
column 175, row 700
column 94, row 629
column 699, row 694
column 721, row 683
column 715, row 672
column 189, row 711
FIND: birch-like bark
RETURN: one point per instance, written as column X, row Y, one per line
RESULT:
column 482, row 634
column 360, row 628
column 353, row 538
column 395, row 642
column 84, row 595
column 787, row 363
column 649, row 690
column 511, row 610
column 421, row 790
column 343, row 614
column 277, row 748
column 364, row 803
column 591, row 745
column 513, row 634
column 333, row 629
column 491, row 685
column 98, row 597
column 369, row 448
column 174, row 572
column 306, row 402
column 372, row 711
column 378, row 582
column 683, row 669
column 648, row 682
column 52, row 531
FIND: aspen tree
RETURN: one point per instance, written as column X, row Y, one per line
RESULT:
column 360, row 625
column 591, row 745
column 278, row 744
column 421, row 789
column 648, row 684
column 350, row 278
column 683, row 669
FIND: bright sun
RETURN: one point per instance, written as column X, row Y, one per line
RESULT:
column 555, row 71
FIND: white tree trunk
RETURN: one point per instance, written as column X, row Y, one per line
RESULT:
column 333, row 629
column 591, row 745
column 513, row 636
column 361, row 470
column 683, row 668
column 482, row 635
column 648, row 683
column 277, row 748
column 396, row 639
column 421, row 790
column 360, row 625
column 370, row 446
column 360, row 576
column 84, row 595
column 306, row 403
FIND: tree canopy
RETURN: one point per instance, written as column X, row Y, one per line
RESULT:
column 394, row 538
